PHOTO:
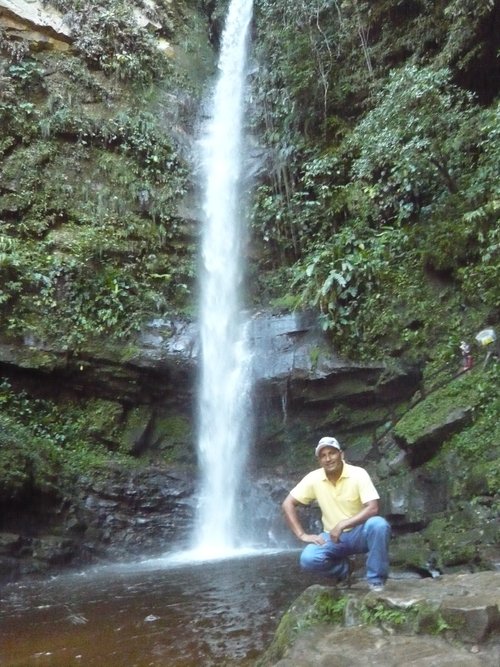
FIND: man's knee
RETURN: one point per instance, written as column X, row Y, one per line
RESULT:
column 377, row 524
column 309, row 557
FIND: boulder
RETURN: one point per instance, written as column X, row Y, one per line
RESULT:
column 412, row 498
column 452, row 620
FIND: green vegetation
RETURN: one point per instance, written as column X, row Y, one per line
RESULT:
column 327, row 609
column 44, row 446
column 420, row 617
column 386, row 207
column 380, row 613
column 79, row 252
column 380, row 202
column 91, row 244
column 107, row 35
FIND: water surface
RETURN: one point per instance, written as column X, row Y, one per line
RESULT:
column 156, row 613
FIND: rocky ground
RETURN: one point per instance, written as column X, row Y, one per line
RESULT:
column 450, row 620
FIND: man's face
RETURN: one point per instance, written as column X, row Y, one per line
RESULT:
column 330, row 459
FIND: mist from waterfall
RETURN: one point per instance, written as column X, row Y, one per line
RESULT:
column 224, row 394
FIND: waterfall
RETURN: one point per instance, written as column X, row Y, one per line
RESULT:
column 225, row 373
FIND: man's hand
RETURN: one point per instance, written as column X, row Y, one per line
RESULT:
column 313, row 539
column 337, row 531
column 370, row 508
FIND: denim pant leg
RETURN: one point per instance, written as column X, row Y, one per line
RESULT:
column 377, row 533
column 329, row 558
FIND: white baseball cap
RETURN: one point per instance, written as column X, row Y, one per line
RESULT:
column 327, row 442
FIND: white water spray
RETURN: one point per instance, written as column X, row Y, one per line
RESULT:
column 225, row 374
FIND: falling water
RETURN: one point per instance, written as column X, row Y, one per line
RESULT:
column 224, row 391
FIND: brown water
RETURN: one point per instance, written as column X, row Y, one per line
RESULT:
column 154, row 614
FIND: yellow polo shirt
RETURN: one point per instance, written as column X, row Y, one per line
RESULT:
column 337, row 501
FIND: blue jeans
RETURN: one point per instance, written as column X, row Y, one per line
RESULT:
column 371, row 537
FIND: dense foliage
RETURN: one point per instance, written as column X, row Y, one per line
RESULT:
column 43, row 447
column 382, row 195
column 93, row 173
column 108, row 35
column 91, row 243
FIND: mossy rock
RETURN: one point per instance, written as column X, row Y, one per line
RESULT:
column 454, row 539
column 342, row 418
column 409, row 551
column 103, row 416
column 358, row 448
column 173, row 437
column 134, row 426
column 459, row 393
column 307, row 609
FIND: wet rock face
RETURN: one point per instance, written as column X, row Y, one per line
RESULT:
column 304, row 390
column 137, row 513
column 301, row 386
column 124, row 516
column 127, row 515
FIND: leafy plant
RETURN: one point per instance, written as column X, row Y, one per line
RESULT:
column 328, row 609
column 43, row 446
column 381, row 613
column 412, row 143
column 342, row 274
column 108, row 34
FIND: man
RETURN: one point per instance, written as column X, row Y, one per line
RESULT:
column 349, row 505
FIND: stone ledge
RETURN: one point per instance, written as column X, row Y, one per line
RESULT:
column 452, row 620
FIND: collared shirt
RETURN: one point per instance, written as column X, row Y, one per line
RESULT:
column 337, row 501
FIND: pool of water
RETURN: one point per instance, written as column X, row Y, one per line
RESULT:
column 157, row 613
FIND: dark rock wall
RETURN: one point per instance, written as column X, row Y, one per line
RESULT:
column 300, row 394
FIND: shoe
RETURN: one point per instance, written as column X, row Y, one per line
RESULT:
column 376, row 588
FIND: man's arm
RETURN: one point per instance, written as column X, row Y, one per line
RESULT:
column 370, row 509
column 289, row 507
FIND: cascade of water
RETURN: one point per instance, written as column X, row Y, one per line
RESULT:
column 225, row 373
